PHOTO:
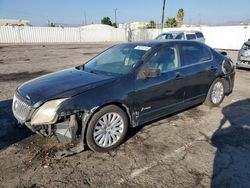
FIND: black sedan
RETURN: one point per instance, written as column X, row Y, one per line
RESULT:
column 125, row 86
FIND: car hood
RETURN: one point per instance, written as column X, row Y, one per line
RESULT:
column 66, row 83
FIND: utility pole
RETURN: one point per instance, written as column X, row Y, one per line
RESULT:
column 162, row 18
column 85, row 18
column 115, row 15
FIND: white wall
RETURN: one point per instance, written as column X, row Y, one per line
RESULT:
column 226, row 37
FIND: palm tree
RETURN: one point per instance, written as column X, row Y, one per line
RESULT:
column 171, row 22
column 180, row 17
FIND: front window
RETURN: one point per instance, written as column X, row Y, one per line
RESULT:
column 120, row 59
column 161, row 37
column 165, row 36
column 165, row 59
column 169, row 36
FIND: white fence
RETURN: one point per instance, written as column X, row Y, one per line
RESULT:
column 228, row 37
column 91, row 33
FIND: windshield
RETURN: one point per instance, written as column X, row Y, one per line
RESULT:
column 164, row 36
column 119, row 59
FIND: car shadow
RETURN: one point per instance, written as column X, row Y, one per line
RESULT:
column 243, row 69
column 231, row 166
column 10, row 132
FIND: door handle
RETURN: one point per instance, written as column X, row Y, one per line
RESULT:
column 178, row 76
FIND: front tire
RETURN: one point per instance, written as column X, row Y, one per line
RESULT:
column 216, row 93
column 107, row 129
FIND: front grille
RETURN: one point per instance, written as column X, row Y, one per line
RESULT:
column 20, row 109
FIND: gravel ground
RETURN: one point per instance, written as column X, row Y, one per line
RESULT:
column 199, row 147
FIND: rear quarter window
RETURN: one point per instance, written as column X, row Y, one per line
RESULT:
column 199, row 35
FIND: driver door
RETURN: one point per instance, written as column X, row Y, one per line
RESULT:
column 157, row 96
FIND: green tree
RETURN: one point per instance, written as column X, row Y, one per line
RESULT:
column 171, row 22
column 106, row 21
column 114, row 25
column 180, row 17
column 151, row 24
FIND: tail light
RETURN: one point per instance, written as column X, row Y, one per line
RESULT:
column 227, row 66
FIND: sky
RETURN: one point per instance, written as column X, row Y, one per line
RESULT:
column 212, row 12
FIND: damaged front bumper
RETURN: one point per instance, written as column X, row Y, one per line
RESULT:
column 243, row 64
column 65, row 130
column 64, row 127
column 243, row 60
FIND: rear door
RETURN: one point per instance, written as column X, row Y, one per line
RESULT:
column 198, row 70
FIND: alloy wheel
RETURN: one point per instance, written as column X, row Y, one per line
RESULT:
column 217, row 92
column 108, row 129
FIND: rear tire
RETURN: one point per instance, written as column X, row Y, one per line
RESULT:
column 107, row 129
column 216, row 93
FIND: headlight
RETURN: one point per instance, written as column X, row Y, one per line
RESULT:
column 244, row 47
column 46, row 114
column 227, row 66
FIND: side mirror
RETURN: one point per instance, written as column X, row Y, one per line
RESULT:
column 152, row 72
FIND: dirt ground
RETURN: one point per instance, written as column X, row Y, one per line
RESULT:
column 199, row 147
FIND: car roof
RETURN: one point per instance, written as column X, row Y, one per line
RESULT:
column 166, row 33
column 188, row 32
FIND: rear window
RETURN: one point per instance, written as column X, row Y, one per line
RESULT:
column 199, row 35
column 190, row 36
